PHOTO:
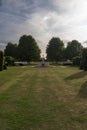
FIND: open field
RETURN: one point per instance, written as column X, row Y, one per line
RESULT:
column 43, row 98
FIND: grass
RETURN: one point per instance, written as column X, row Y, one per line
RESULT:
column 43, row 98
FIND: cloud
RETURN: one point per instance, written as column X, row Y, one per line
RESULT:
column 2, row 46
column 43, row 19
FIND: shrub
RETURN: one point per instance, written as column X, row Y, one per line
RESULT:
column 84, row 60
column 1, row 60
column 4, row 64
column 9, row 60
column 76, row 61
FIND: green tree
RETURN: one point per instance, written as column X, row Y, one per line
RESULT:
column 73, row 49
column 55, row 49
column 1, row 60
column 11, row 50
column 76, row 60
column 9, row 60
column 28, row 49
column 84, row 59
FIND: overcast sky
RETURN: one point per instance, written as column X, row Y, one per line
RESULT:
column 43, row 19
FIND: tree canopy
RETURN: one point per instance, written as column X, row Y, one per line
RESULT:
column 28, row 48
column 73, row 49
column 84, row 59
column 54, row 49
column 11, row 50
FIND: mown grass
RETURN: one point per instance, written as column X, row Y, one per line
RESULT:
column 43, row 98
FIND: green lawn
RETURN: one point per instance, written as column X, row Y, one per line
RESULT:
column 43, row 98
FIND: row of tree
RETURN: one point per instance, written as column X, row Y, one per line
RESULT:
column 57, row 52
column 74, row 52
column 28, row 50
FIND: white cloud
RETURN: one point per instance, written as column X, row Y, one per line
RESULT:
column 2, row 46
column 66, row 19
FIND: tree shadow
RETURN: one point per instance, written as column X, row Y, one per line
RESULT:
column 77, row 75
column 83, row 91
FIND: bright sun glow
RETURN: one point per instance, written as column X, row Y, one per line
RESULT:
column 46, row 18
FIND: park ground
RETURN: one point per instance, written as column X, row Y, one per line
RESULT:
column 43, row 98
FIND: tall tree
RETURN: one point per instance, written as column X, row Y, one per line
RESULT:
column 11, row 50
column 28, row 48
column 83, row 64
column 55, row 49
column 73, row 49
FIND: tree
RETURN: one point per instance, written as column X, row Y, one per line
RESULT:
column 55, row 49
column 9, row 60
column 1, row 60
column 84, row 59
column 76, row 60
column 73, row 49
column 11, row 50
column 28, row 48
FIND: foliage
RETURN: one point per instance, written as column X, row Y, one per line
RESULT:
column 11, row 50
column 4, row 63
column 77, row 60
column 84, row 59
column 28, row 49
column 73, row 49
column 9, row 60
column 1, row 60
column 55, row 49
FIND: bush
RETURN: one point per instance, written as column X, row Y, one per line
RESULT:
column 4, row 67
column 81, row 66
column 76, row 61
column 9, row 60
column 1, row 60
column 84, row 60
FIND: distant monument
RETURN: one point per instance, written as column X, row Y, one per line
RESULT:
column 43, row 63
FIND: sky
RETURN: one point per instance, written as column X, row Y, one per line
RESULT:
column 43, row 19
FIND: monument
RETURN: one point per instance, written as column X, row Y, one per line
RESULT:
column 43, row 63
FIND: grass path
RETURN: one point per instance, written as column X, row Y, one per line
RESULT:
column 43, row 99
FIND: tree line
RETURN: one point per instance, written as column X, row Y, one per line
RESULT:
column 74, row 51
column 28, row 50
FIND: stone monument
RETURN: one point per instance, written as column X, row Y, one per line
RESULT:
column 43, row 63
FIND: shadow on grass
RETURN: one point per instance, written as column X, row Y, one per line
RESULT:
column 77, row 75
column 83, row 91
